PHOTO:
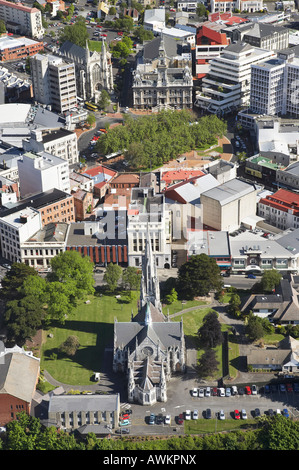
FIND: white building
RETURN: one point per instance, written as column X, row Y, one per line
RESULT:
column 266, row 90
column 61, row 143
column 54, row 82
column 21, row 19
column 230, row 5
column 147, row 214
column 15, row 228
column 227, row 84
column 40, row 172
column 154, row 20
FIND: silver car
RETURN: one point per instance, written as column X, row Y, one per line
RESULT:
column 221, row 415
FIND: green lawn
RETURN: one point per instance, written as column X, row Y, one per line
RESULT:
column 205, row 426
column 93, row 324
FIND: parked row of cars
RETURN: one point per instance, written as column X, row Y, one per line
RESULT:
column 242, row 414
column 224, row 391
column 159, row 419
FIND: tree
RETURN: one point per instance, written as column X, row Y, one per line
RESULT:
column 172, row 297
column 91, row 119
column 104, row 100
column 131, row 278
column 209, row 333
column 201, row 10
column 198, row 276
column 208, row 363
column 75, row 272
column 142, row 34
column 135, row 155
column 13, row 280
column 123, row 48
column 234, row 304
column 2, row 27
column 70, row 345
column 22, row 318
column 254, row 328
column 76, row 33
column 270, row 279
column 112, row 276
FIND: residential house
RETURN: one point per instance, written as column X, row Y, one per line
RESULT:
column 284, row 357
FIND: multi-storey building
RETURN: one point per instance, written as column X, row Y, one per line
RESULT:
column 18, row 48
column 210, row 42
column 54, row 82
column 21, row 19
column 61, row 143
column 231, row 5
column 162, row 81
column 280, row 209
column 41, row 172
column 227, row 84
column 266, row 87
column 148, row 214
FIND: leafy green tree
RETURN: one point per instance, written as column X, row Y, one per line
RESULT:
column 270, row 279
column 70, row 345
column 22, row 318
column 198, row 276
column 76, row 33
column 209, row 333
column 61, row 299
column 14, row 280
column 91, row 119
column 234, row 304
column 104, row 100
column 208, row 363
column 172, row 297
column 142, row 34
column 201, row 10
column 131, row 278
column 112, row 276
column 75, row 272
column 254, row 328
column 2, row 27
column 123, row 48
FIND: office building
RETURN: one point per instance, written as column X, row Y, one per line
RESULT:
column 226, row 86
column 280, row 209
column 266, row 87
column 42, row 172
column 12, row 48
column 54, row 82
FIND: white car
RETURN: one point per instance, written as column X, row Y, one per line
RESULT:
column 221, row 415
column 187, row 414
column 195, row 414
column 278, row 412
column 228, row 392
column 194, row 392
column 208, row 391
column 167, row 419
column 244, row 414
column 234, row 390
column 201, row 393
column 253, row 389
column 221, row 392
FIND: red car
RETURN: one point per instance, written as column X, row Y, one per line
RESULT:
column 99, row 26
column 237, row 414
column 120, row 33
column 181, row 419
column 247, row 390
column 289, row 387
column 125, row 416
column 104, row 35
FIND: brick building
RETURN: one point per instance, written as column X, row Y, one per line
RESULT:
column 19, row 372
column 18, row 48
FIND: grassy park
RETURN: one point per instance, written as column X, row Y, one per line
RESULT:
column 93, row 323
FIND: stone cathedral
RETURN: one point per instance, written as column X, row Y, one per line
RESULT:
column 149, row 348
column 93, row 69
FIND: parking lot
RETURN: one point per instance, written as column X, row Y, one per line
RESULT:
column 267, row 400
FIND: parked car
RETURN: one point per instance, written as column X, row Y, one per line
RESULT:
column 267, row 389
column 160, row 419
column 221, row 392
column 124, row 422
column 236, row 414
column 243, row 414
column 289, row 387
column 241, row 391
column 282, row 387
column 208, row 391
column 285, row 413
column 201, row 393
column 278, row 412
column 152, row 418
column 270, row 412
column 251, row 276
column 194, row 392
column 180, row 419
column 187, row 414
column 208, row 413
column 254, row 389
column 195, row 414
column 122, row 431
column 296, row 387
column 248, row 390
column 234, row 390
column 221, row 415
column 228, row 392
column 214, row 391
column 167, row 419
column 257, row 412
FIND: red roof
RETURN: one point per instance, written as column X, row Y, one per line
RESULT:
column 180, row 175
column 100, row 169
column 282, row 200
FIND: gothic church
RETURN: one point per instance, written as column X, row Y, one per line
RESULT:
column 149, row 348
